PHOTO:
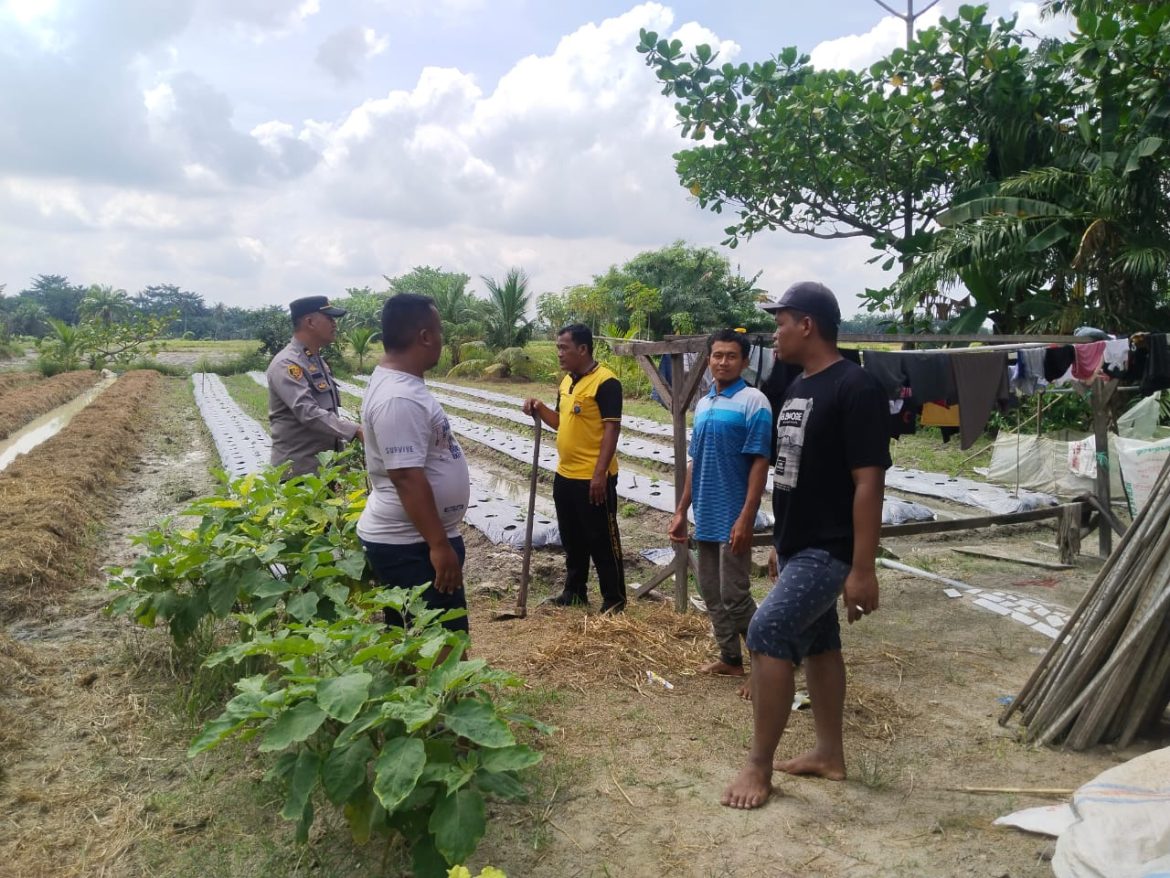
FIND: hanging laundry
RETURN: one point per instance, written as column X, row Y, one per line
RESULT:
column 1139, row 357
column 983, row 386
column 903, row 416
column 1091, row 332
column 1058, row 360
column 1030, row 371
column 1157, row 374
column 1088, row 360
column 1116, row 357
column 930, row 378
column 887, row 368
column 936, row 415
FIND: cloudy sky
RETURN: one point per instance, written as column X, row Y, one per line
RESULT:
column 259, row 150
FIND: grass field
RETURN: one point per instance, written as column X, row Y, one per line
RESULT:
column 202, row 345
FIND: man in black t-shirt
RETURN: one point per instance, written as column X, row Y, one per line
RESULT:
column 832, row 453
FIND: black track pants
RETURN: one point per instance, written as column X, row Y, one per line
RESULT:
column 590, row 532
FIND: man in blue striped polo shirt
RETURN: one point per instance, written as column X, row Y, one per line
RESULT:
column 730, row 444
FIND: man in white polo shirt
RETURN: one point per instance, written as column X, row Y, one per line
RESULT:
column 418, row 475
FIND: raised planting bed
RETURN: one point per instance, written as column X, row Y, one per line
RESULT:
column 53, row 498
column 24, row 402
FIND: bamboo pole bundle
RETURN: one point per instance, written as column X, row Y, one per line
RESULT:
column 1108, row 674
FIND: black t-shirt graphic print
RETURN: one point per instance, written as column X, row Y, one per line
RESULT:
column 790, row 429
column 830, row 424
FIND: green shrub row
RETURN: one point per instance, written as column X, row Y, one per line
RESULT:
column 392, row 725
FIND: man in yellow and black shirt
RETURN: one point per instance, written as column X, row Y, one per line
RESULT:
column 587, row 419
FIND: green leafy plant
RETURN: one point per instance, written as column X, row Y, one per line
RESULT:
column 390, row 724
column 361, row 340
column 271, row 548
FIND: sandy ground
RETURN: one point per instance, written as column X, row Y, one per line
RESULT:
column 95, row 780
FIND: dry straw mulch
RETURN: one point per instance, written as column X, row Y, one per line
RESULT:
column 19, row 672
column 52, row 498
column 21, row 403
column 578, row 650
column 10, row 379
column 567, row 648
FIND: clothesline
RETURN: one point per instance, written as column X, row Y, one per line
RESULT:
column 982, row 349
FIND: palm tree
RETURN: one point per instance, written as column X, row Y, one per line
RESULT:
column 104, row 305
column 507, row 322
column 1054, row 247
column 360, row 338
column 459, row 311
column 65, row 346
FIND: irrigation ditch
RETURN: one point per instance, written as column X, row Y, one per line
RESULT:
column 52, row 498
column 23, row 400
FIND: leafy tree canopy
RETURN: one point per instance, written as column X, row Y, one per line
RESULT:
column 677, row 289
column 1031, row 174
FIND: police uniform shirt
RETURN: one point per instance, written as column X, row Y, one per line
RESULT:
column 303, row 409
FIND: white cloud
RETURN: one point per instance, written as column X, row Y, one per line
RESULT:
column 449, row 12
column 29, row 11
column 159, row 100
column 562, row 166
column 857, row 51
column 1030, row 20
column 573, row 143
column 261, row 20
column 342, row 53
column 36, row 18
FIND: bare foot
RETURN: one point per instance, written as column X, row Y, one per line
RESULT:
column 814, row 764
column 722, row 669
column 750, row 789
column 745, row 689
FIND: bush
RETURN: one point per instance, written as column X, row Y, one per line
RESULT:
column 1066, row 411
column 517, row 363
column 169, row 369
column 261, row 544
column 251, row 361
column 474, row 350
column 468, row 369
column 10, row 349
column 635, row 383
column 391, row 725
column 50, row 366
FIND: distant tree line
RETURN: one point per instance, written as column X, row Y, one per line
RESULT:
column 185, row 314
column 678, row 289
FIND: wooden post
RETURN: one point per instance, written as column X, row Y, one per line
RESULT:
column 678, row 417
column 1100, row 396
column 655, row 379
column 1068, row 533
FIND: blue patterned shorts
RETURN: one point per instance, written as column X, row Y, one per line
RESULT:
column 798, row 618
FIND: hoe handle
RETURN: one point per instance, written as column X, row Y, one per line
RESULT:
column 522, row 597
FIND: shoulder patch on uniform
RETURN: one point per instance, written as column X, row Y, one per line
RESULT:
column 295, row 371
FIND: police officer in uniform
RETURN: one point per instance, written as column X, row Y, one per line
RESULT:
column 303, row 400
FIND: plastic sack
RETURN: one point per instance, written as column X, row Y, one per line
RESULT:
column 1122, row 826
column 1140, row 420
column 1140, row 462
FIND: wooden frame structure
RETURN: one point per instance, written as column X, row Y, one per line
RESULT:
column 684, row 382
